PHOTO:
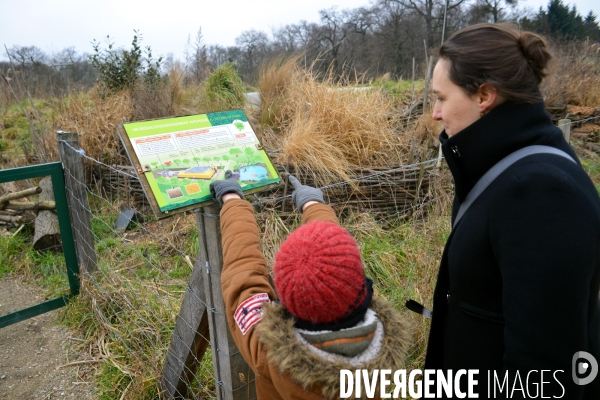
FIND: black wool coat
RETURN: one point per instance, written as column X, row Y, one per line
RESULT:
column 518, row 286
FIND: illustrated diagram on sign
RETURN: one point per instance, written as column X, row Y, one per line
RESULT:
column 181, row 156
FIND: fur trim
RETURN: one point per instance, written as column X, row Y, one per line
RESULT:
column 308, row 369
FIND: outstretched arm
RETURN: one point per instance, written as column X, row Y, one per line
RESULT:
column 244, row 277
column 310, row 201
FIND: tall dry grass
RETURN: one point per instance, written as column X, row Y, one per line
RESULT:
column 95, row 119
column 152, row 101
column 328, row 127
column 574, row 76
column 176, row 80
column 274, row 79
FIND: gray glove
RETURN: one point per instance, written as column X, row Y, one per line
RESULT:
column 303, row 194
column 222, row 187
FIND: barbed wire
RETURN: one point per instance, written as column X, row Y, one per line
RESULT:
column 82, row 153
column 579, row 121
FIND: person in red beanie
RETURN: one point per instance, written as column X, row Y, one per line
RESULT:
column 321, row 316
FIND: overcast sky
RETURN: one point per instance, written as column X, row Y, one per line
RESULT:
column 53, row 25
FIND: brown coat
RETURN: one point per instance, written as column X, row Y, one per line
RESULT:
column 284, row 368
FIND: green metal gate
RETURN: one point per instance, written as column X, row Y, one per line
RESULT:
column 55, row 171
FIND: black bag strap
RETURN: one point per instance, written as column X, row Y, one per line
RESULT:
column 498, row 169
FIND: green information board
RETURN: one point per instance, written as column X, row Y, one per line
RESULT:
column 178, row 158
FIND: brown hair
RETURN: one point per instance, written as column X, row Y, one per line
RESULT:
column 500, row 55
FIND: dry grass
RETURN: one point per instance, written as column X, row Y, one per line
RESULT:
column 150, row 102
column 95, row 119
column 176, row 79
column 328, row 127
column 127, row 310
column 274, row 79
column 574, row 76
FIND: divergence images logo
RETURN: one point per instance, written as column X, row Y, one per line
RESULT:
column 584, row 364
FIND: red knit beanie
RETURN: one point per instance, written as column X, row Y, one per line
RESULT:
column 319, row 276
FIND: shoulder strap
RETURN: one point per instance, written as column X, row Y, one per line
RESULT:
column 499, row 168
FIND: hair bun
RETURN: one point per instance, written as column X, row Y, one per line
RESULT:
column 535, row 51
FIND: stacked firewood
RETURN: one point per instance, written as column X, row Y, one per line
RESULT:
column 17, row 209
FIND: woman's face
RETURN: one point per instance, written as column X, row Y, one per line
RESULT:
column 453, row 106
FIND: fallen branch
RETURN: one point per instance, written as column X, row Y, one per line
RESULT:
column 79, row 363
column 18, row 230
column 31, row 205
column 594, row 147
column 18, row 195
column 21, row 219
column 8, row 212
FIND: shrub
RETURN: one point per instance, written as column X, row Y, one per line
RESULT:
column 120, row 69
column 224, row 90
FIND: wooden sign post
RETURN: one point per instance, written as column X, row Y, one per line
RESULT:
column 202, row 318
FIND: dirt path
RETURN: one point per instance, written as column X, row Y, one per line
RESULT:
column 33, row 352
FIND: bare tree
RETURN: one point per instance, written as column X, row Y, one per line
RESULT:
column 432, row 13
column 337, row 27
column 217, row 55
column 255, row 47
column 389, row 30
column 196, row 55
column 495, row 9
column 71, row 68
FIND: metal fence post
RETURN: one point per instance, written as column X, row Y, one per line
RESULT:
column 79, row 209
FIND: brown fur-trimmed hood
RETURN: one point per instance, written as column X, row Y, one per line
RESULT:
column 309, row 370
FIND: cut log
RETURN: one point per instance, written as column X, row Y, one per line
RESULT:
column 47, row 230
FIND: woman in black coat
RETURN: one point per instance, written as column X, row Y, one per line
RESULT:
column 517, row 295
